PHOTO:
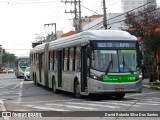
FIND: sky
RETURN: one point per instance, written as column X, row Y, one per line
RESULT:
column 22, row 20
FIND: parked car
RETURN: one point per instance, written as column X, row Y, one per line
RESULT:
column 27, row 74
column 3, row 68
column 10, row 70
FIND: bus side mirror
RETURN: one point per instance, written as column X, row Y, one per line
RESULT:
column 88, row 52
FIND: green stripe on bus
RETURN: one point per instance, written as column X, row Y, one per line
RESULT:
column 118, row 78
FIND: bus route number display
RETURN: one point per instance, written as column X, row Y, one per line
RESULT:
column 116, row 44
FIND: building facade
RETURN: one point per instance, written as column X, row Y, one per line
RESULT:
column 128, row 5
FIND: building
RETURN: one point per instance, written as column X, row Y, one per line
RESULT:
column 113, row 22
column 128, row 5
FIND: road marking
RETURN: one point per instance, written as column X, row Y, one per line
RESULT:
column 44, row 108
column 47, row 108
column 8, row 92
column 92, row 104
column 16, row 85
column 141, row 94
column 3, row 108
column 5, row 86
column 2, row 105
column 147, row 104
column 76, row 107
column 20, row 92
column 49, row 101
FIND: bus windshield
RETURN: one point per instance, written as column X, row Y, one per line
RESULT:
column 114, row 60
column 24, row 62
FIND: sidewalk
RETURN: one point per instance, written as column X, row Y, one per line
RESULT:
column 146, row 84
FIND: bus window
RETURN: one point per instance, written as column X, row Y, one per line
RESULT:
column 77, row 59
column 52, row 60
column 42, row 59
column 55, row 60
column 66, row 59
column 71, row 57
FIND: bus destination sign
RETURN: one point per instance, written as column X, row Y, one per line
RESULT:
column 116, row 44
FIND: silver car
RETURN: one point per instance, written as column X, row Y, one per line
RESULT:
column 27, row 74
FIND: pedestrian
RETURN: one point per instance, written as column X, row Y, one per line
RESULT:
column 158, row 71
column 143, row 70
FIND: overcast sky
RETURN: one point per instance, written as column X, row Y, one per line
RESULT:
column 20, row 20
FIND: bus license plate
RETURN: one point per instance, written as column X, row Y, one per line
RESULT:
column 119, row 89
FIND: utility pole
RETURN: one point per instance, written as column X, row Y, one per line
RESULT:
column 52, row 35
column 77, row 14
column 104, row 15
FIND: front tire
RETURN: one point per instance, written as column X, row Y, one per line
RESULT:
column 77, row 90
column 54, row 87
column 120, row 95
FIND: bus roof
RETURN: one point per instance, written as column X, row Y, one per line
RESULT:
column 85, row 37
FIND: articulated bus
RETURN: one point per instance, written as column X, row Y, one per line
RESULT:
column 90, row 62
column 21, row 64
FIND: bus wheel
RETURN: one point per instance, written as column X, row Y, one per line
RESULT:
column 54, row 87
column 36, row 83
column 77, row 90
column 120, row 95
column 34, row 78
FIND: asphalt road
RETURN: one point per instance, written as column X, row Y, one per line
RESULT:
column 19, row 95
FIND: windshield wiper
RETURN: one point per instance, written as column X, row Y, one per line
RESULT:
column 109, row 65
column 125, row 64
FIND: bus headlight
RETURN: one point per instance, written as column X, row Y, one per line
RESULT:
column 139, row 76
column 94, row 76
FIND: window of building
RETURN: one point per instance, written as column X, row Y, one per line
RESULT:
column 126, row 2
column 133, row 2
column 140, row 2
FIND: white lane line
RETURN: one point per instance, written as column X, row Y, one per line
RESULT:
column 44, row 108
column 47, row 108
column 8, row 92
column 20, row 92
column 141, row 94
column 49, row 101
column 72, row 106
column 3, row 108
column 5, row 86
column 147, row 104
column 16, row 85
column 95, row 105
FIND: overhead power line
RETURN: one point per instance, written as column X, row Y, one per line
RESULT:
column 119, row 16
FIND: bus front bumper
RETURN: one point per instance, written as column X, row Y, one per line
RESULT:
column 108, row 87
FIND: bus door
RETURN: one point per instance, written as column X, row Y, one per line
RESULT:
column 84, row 69
column 59, row 68
column 40, row 67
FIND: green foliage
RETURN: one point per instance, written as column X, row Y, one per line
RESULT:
column 9, row 59
column 144, row 23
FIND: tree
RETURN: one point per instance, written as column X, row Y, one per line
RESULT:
column 146, row 24
column 9, row 59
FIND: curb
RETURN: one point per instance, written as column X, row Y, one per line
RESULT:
column 152, row 87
